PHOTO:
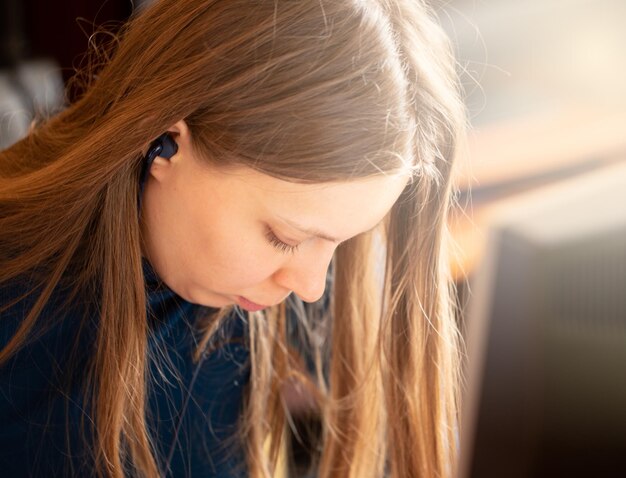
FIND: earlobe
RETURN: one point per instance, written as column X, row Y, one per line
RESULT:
column 159, row 167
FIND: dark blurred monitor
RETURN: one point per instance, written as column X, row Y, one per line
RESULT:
column 546, row 337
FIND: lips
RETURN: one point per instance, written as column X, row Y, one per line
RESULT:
column 249, row 305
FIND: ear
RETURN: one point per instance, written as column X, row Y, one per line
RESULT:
column 180, row 133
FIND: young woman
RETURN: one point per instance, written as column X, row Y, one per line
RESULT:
column 166, row 236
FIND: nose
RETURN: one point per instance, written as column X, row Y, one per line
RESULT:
column 305, row 276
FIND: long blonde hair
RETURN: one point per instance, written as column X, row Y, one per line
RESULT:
column 307, row 91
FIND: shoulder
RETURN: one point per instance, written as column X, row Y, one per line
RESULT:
column 196, row 405
column 59, row 315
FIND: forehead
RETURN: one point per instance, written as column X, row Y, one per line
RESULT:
column 339, row 210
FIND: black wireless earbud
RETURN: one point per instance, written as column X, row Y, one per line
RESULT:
column 165, row 147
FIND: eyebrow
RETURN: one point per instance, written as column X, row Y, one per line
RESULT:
column 316, row 232
column 309, row 231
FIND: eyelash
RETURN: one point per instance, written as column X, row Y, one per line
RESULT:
column 278, row 244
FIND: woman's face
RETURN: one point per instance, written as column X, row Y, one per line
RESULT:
column 216, row 235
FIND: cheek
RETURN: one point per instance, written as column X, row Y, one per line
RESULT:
column 229, row 257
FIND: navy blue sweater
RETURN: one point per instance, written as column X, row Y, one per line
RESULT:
column 41, row 390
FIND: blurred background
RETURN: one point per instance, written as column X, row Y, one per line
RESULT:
column 541, row 231
column 540, row 261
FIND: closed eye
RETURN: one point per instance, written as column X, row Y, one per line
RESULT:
column 278, row 244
